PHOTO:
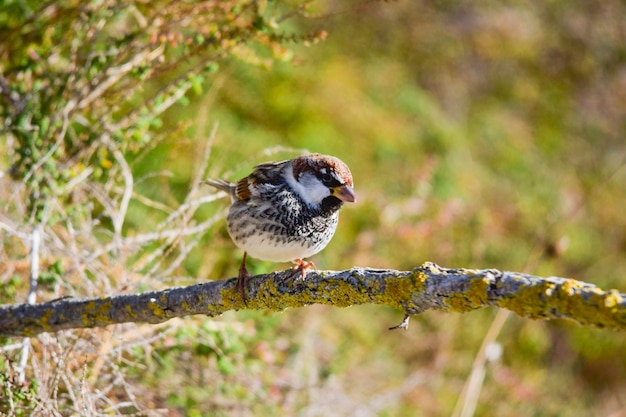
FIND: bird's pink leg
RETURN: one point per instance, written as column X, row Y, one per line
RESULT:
column 302, row 265
column 240, row 285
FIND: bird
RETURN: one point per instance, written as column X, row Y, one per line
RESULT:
column 286, row 211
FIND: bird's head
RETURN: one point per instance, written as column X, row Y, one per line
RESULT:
column 322, row 181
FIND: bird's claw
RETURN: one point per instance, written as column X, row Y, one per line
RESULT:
column 302, row 266
column 242, row 279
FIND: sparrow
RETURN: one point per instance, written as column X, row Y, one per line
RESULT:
column 286, row 211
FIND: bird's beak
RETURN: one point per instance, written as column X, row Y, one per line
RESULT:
column 344, row 193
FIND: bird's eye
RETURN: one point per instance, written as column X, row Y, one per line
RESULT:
column 326, row 178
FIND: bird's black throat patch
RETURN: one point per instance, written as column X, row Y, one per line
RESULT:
column 330, row 205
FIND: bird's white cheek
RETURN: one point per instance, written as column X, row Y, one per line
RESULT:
column 309, row 188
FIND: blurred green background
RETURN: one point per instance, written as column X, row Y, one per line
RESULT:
column 479, row 134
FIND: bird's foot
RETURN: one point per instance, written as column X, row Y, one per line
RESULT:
column 242, row 279
column 301, row 266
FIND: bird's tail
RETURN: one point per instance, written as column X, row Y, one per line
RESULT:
column 223, row 185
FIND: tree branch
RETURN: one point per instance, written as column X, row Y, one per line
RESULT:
column 426, row 287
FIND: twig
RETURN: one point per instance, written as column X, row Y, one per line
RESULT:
column 127, row 174
column 466, row 405
column 31, row 299
column 112, row 76
column 138, row 240
column 169, row 244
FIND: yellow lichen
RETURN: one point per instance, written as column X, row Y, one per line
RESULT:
column 155, row 308
column 267, row 296
column 97, row 312
column 570, row 287
column 612, row 299
column 530, row 301
column 399, row 291
column 477, row 295
column 45, row 317
column 570, row 299
column 87, row 313
column 230, row 297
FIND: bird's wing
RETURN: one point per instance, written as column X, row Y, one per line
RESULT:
column 269, row 173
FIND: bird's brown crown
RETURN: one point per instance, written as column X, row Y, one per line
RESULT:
column 317, row 163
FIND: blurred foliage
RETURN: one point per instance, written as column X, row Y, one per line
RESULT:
column 479, row 134
column 20, row 399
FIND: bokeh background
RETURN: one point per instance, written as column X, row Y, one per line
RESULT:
column 479, row 134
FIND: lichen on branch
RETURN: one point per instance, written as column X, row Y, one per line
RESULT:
column 427, row 287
